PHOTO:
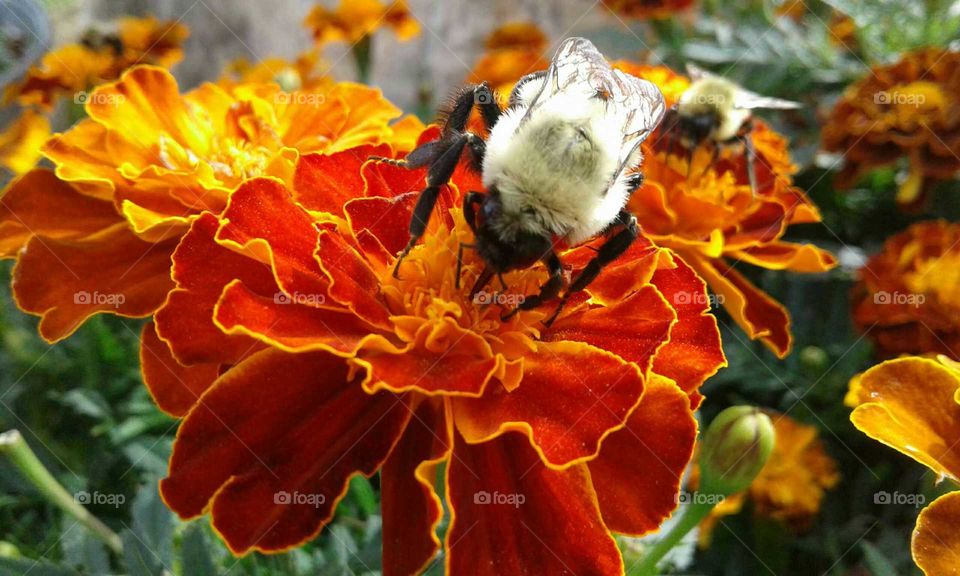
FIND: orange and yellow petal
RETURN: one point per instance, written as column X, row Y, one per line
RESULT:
column 20, row 142
column 911, row 404
column 67, row 281
column 39, row 203
column 638, row 472
column 572, row 396
column 271, row 467
column 936, row 540
column 511, row 514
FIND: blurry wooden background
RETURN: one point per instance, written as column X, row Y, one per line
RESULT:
column 439, row 59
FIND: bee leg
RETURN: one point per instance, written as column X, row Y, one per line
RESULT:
column 503, row 285
column 421, row 156
column 548, row 291
column 609, row 251
column 470, row 203
column 438, row 175
column 634, row 182
column 751, row 153
column 460, row 261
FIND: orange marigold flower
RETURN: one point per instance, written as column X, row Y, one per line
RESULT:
column 354, row 20
column 304, row 73
column 513, row 51
column 587, row 423
column 21, row 141
column 648, row 8
column 130, row 179
column 913, row 405
column 703, row 208
column 75, row 68
column 908, row 297
column 911, row 110
column 791, row 486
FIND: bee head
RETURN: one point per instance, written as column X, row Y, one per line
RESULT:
column 500, row 244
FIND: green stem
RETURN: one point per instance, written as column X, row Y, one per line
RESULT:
column 362, row 55
column 691, row 516
column 18, row 451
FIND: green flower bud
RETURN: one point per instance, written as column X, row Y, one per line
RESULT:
column 734, row 449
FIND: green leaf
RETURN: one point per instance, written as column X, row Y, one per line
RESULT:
column 141, row 559
column 195, row 553
column 34, row 568
column 153, row 523
column 875, row 560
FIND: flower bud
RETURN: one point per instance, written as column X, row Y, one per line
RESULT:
column 734, row 449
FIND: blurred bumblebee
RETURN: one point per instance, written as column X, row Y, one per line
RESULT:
column 717, row 111
column 559, row 165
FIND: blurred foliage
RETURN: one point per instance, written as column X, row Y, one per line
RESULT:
column 82, row 408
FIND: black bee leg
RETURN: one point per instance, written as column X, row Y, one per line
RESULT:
column 460, row 261
column 439, row 174
column 548, row 291
column 470, row 204
column 609, row 251
column 634, row 182
column 421, row 156
column 503, row 285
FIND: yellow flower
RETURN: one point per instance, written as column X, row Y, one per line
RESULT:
column 648, row 8
column 913, row 405
column 791, row 487
column 354, row 20
column 20, row 143
column 304, row 73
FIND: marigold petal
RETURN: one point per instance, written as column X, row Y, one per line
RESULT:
column 695, row 351
column 285, row 323
column 67, row 281
column 202, row 268
column 638, row 473
column 272, row 466
column 325, row 182
column 936, row 540
column 628, row 273
column 557, row 529
column 388, row 181
column 760, row 316
column 788, row 256
column 39, row 203
column 20, row 142
column 634, row 328
column 352, row 282
column 174, row 387
column 410, row 507
column 388, row 219
column 249, row 226
column 910, row 405
column 572, row 395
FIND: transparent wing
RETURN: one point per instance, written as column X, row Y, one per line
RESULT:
column 744, row 99
column 579, row 68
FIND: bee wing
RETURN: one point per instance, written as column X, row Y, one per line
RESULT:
column 747, row 100
column 579, row 67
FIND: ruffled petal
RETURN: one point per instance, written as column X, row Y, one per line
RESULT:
column 634, row 328
column 264, row 222
column 388, row 219
column 788, row 256
column 638, row 473
column 202, row 268
column 352, row 282
column 572, row 395
column 174, row 387
column 626, row 274
column 511, row 514
column 38, row 203
column 285, row 323
column 67, row 281
column 271, row 446
column 410, row 507
column 936, row 540
column 695, row 351
column 910, row 404
column 760, row 316
column 325, row 182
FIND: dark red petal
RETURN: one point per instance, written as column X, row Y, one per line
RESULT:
column 325, row 182
column 556, row 529
column 271, row 447
column 174, row 387
column 352, row 282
